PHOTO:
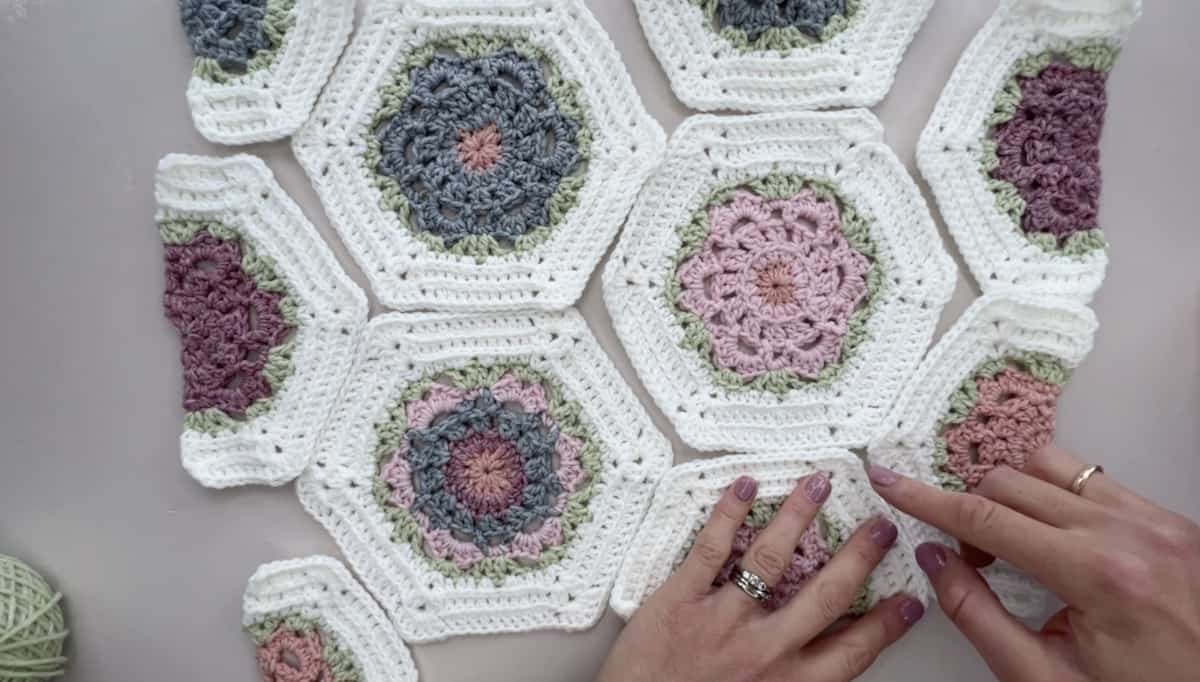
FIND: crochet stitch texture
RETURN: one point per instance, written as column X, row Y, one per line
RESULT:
column 479, row 156
column 231, row 32
column 267, row 318
column 493, row 471
column 688, row 492
column 1011, row 152
column 780, row 55
column 260, row 63
column 726, row 230
column 756, row 17
column 479, row 146
column 425, row 443
column 312, row 622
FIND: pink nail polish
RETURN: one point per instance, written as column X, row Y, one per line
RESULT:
column 884, row 533
column 931, row 557
column 744, row 488
column 817, row 488
column 911, row 611
column 881, row 476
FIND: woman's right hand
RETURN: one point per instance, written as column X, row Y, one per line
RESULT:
column 1128, row 571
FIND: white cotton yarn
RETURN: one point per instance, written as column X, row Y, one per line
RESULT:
column 405, row 273
column 273, row 102
column 687, row 494
column 950, row 152
column 424, row 603
column 320, row 589
column 994, row 327
column 240, row 193
column 845, row 149
column 854, row 68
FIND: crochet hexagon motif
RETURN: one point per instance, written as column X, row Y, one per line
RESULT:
column 312, row 622
column 471, row 160
column 1012, row 150
column 260, row 64
column 779, row 281
column 267, row 318
column 775, row 55
column 482, row 472
column 984, row 396
column 685, row 498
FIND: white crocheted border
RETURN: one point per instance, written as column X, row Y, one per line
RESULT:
column 273, row 102
column 993, row 327
column 321, row 590
column 854, row 68
column 241, row 193
column 407, row 274
column 951, row 154
column 845, row 149
column 686, row 496
column 424, row 603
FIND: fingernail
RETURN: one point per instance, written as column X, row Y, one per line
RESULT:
column 817, row 488
column 744, row 488
column 911, row 611
column 931, row 557
column 884, row 533
column 881, row 476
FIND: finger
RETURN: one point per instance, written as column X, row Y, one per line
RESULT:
column 974, row 556
column 1059, row 468
column 1056, row 557
column 772, row 551
column 1038, row 499
column 1011, row 650
column 829, row 594
column 847, row 654
column 713, row 543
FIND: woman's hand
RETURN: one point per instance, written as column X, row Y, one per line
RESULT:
column 1128, row 571
column 688, row 630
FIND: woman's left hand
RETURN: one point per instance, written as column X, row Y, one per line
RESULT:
column 688, row 630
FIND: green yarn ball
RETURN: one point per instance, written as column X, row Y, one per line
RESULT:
column 32, row 627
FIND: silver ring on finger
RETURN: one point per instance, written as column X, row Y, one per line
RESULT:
column 753, row 585
column 1082, row 478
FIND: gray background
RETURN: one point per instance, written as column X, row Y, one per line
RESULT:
column 153, row 565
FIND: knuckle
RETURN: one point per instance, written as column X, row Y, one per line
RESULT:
column 1177, row 537
column 709, row 552
column 769, row 559
column 831, row 604
column 957, row 602
column 1123, row 573
column 796, row 511
column 856, row 657
column 976, row 515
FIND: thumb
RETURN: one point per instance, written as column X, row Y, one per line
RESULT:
column 1011, row 650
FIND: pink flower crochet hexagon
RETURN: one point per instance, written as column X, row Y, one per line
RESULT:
column 479, row 155
column 778, row 281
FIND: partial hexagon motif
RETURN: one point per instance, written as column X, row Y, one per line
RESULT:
column 267, row 317
column 986, row 396
column 1012, row 150
column 260, row 64
column 778, row 281
column 479, row 155
column 482, row 473
column 749, row 55
column 687, row 494
column 310, row 620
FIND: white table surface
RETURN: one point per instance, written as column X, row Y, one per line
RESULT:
column 153, row 565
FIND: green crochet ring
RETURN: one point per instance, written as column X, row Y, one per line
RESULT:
column 32, row 627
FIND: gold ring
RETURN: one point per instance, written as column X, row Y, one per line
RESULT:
column 1081, row 480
